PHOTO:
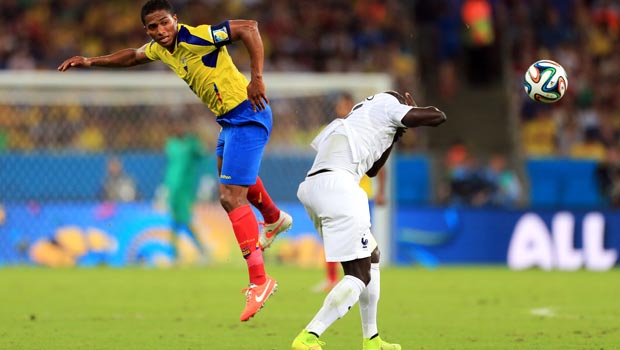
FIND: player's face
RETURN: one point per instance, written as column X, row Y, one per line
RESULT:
column 161, row 26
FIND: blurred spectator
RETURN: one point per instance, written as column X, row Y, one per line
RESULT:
column 118, row 186
column 502, row 182
column 456, row 154
column 590, row 147
column 464, row 181
column 539, row 134
column 468, row 184
column 479, row 41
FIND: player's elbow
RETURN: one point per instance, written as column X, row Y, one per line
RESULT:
column 243, row 29
column 439, row 119
column 424, row 116
column 253, row 27
column 250, row 25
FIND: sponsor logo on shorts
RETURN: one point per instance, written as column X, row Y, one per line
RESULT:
column 227, row 177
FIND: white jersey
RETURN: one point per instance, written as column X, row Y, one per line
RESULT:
column 357, row 141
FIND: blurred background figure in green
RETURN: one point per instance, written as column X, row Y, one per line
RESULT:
column 184, row 154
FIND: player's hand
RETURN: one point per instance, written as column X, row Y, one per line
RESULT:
column 257, row 95
column 410, row 100
column 74, row 62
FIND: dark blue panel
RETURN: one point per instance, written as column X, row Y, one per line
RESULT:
column 412, row 179
column 563, row 183
column 184, row 36
column 210, row 59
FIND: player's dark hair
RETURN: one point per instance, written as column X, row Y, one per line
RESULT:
column 398, row 96
column 155, row 5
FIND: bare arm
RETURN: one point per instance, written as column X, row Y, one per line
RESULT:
column 247, row 32
column 122, row 58
column 420, row 116
column 424, row 116
column 374, row 170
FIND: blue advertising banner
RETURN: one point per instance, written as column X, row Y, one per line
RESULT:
column 549, row 239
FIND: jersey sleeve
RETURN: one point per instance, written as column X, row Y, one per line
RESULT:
column 221, row 34
column 396, row 111
column 150, row 51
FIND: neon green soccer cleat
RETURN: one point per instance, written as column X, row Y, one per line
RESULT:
column 307, row 341
column 377, row 343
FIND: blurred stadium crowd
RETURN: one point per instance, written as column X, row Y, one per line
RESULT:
column 424, row 45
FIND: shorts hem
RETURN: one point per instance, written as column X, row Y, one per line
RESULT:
column 347, row 257
column 246, row 182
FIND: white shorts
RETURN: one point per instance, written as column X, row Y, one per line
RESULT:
column 339, row 209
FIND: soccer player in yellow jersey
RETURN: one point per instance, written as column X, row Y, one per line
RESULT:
column 198, row 55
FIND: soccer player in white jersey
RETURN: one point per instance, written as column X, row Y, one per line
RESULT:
column 347, row 149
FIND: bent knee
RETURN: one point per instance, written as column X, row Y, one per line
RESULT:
column 231, row 200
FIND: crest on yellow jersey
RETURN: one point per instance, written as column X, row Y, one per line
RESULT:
column 220, row 34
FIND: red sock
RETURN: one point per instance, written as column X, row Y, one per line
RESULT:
column 245, row 227
column 332, row 271
column 258, row 196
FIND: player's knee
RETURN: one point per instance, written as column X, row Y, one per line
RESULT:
column 359, row 269
column 231, row 200
column 364, row 276
column 228, row 201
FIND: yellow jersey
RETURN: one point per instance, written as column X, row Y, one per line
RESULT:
column 367, row 185
column 201, row 59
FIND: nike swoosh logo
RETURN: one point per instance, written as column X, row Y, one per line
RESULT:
column 270, row 234
column 260, row 298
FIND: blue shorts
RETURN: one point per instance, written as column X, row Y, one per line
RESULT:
column 241, row 149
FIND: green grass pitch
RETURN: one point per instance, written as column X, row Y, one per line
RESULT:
column 450, row 308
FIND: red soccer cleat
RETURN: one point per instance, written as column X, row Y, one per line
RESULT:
column 256, row 296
